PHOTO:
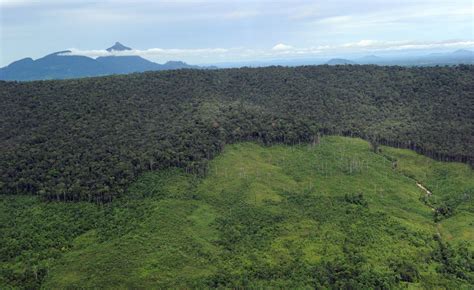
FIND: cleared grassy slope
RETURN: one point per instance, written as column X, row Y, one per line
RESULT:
column 331, row 215
column 452, row 185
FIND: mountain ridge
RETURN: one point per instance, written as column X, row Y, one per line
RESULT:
column 63, row 65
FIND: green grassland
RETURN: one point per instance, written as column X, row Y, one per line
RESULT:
column 332, row 215
column 452, row 185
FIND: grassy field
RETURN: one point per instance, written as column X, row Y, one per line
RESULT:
column 452, row 185
column 332, row 215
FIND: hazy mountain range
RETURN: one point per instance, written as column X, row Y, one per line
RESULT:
column 63, row 65
column 60, row 65
column 462, row 56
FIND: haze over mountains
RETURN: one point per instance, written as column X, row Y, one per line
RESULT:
column 65, row 65
column 461, row 56
column 61, row 65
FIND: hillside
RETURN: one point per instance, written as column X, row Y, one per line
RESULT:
column 87, row 139
column 330, row 215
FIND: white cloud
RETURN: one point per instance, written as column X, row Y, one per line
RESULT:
column 239, row 14
column 202, row 55
column 367, row 45
column 152, row 52
column 29, row 3
column 411, row 13
column 335, row 20
column 14, row 3
column 375, row 45
column 161, row 54
column 362, row 43
column 282, row 47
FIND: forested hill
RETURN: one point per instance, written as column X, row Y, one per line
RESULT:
column 87, row 139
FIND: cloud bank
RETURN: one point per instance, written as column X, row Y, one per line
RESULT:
column 279, row 50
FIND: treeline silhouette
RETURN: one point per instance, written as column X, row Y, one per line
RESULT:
column 86, row 139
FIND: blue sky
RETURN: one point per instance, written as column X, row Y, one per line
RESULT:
column 225, row 31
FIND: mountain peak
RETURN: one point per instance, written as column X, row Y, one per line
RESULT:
column 463, row 51
column 118, row 47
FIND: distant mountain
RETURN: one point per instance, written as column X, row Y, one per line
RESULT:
column 62, row 65
column 126, row 64
column 338, row 61
column 118, row 47
column 463, row 52
column 462, row 56
column 179, row 64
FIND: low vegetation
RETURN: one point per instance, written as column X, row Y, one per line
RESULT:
column 332, row 214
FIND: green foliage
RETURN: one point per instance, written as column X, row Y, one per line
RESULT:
column 88, row 139
column 452, row 188
column 262, row 217
column 406, row 271
column 357, row 199
column 443, row 211
column 34, row 234
column 455, row 261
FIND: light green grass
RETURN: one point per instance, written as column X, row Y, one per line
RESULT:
column 450, row 183
column 273, row 217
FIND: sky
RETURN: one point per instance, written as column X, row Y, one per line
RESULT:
column 205, row 32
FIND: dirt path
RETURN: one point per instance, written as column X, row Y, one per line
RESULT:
column 428, row 194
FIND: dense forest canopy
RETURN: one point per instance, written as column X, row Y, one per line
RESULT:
column 86, row 139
